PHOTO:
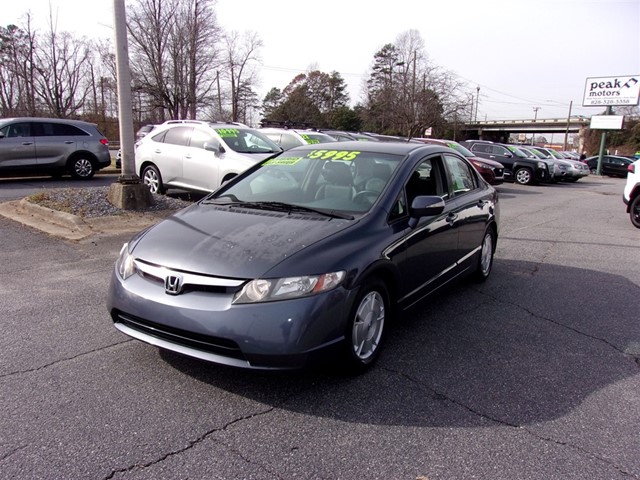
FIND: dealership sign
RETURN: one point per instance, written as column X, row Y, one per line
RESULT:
column 599, row 91
column 607, row 122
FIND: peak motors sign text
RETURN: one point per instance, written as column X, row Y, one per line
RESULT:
column 611, row 91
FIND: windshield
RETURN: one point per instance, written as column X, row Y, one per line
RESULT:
column 464, row 151
column 556, row 154
column 319, row 179
column 538, row 153
column 315, row 137
column 517, row 152
column 247, row 140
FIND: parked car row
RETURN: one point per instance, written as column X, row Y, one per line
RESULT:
column 528, row 165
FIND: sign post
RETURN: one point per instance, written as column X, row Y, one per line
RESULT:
column 610, row 92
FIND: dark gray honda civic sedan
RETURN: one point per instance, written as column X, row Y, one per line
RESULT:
column 307, row 253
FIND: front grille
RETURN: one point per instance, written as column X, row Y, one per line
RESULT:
column 205, row 343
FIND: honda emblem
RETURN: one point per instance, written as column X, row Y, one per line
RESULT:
column 173, row 284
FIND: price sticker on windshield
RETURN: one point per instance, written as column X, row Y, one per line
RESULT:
column 282, row 161
column 308, row 139
column 333, row 154
column 227, row 132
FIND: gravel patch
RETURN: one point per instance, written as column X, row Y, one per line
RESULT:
column 93, row 202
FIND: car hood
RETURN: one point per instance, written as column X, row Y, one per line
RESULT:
column 232, row 242
column 488, row 161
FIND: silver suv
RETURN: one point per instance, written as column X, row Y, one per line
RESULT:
column 52, row 146
column 197, row 155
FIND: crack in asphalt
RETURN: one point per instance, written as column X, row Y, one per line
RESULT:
column 63, row 360
column 562, row 325
column 197, row 441
column 12, row 452
column 440, row 395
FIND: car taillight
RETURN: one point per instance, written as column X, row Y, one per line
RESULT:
column 632, row 167
column 104, row 141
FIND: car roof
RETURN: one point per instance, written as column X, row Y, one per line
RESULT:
column 45, row 119
column 393, row 148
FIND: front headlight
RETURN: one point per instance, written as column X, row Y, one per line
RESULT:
column 542, row 165
column 125, row 264
column 269, row 290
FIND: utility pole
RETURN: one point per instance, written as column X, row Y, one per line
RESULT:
column 566, row 132
column 128, row 192
column 477, row 101
column 535, row 113
column 471, row 116
column 535, row 117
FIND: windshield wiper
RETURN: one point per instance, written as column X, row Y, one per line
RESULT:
column 278, row 207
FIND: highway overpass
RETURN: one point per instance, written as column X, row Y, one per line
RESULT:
column 501, row 130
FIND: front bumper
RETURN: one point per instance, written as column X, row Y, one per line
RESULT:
column 279, row 335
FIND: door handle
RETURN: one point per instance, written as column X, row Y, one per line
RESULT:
column 157, row 150
column 451, row 218
column 188, row 155
column 69, row 142
column 27, row 143
column 482, row 203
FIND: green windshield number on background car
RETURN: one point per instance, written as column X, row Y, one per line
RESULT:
column 282, row 161
column 308, row 139
column 227, row 132
column 333, row 154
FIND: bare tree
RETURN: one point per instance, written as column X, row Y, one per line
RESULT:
column 17, row 70
column 174, row 55
column 407, row 93
column 242, row 54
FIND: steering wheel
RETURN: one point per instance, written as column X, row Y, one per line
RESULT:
column 366, row 197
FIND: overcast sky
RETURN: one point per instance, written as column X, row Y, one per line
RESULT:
column 523, row 54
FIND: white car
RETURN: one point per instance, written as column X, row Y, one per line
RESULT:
column 631, row 194
column 197, row 155
column 288, row 137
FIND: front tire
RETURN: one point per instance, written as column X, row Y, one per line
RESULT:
column 485, row 260
column 634, row 212
column 366, row 326
column 153, row 180
column 524, row 176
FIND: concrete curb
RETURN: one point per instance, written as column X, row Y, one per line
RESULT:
column 45, row 219
column 73, row 227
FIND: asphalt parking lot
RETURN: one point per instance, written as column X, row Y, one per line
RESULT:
column 534, row 374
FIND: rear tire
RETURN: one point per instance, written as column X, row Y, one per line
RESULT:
column 634, row 211
column 82, row 167
column 485, row 260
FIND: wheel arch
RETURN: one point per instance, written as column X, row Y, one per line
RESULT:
column 79, row 154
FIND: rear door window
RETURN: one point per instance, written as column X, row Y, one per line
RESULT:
column 178, row 136
column 47, row 129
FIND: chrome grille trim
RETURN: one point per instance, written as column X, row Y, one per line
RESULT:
column 160, row 273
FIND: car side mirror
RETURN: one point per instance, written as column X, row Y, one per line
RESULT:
column 1, row 135
column 425, row 206
column 508, row 155
column 213, row 146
